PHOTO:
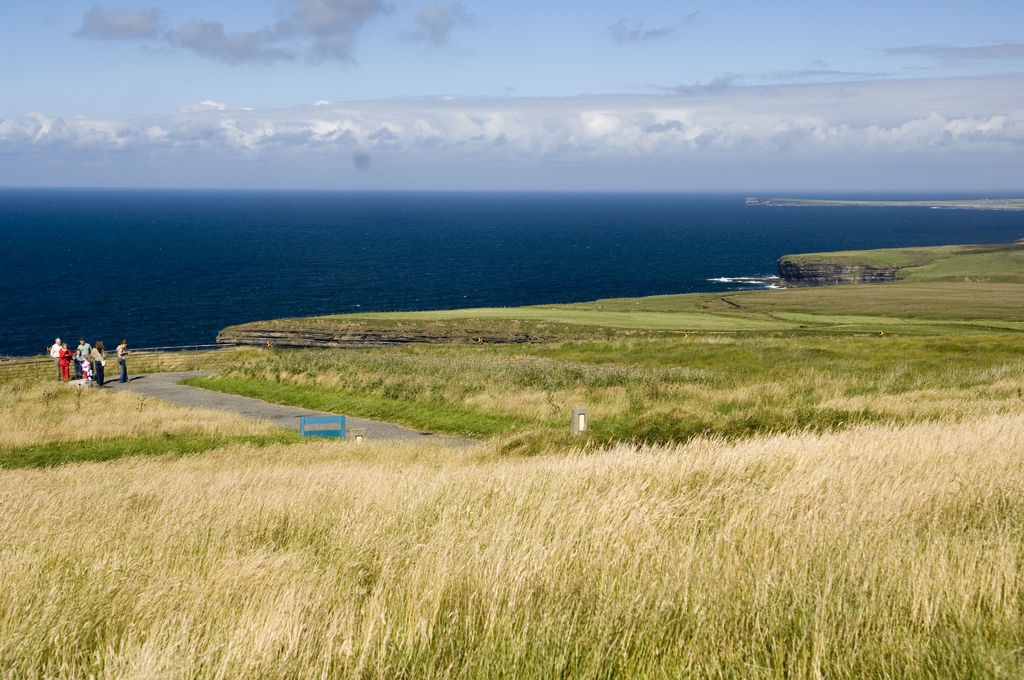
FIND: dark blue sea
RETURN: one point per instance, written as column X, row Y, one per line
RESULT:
column 174, row 267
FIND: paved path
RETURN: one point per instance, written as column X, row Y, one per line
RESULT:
column 164, row 386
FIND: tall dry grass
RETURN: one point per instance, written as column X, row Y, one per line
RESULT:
column 33, row 413
column 665, row 390
column 872, row 552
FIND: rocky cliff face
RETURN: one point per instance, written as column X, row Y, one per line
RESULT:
column 830, row 273
column 253, row 335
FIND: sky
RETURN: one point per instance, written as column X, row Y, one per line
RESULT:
column 601, row 95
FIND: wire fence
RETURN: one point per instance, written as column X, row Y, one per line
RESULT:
column 28, row 361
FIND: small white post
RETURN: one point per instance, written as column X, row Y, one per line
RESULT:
column 358, row 434
column 580, row 420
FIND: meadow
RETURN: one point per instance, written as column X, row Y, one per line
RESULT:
column 647, row 389
column 842, row 500
column 876, row 551
column 931, row 308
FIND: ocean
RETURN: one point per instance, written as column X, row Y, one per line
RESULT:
column 169, row 267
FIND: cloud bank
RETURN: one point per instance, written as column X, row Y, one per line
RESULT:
column 959, row 126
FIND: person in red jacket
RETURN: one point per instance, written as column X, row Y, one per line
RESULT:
column 65, row 361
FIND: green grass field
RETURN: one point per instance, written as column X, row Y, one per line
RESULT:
column 668, row 368
column 934, row 308
column 651, row 389
column 887, row 303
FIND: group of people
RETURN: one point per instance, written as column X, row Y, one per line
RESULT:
column 89, row 360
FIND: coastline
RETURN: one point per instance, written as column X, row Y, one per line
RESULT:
column 1011, row 204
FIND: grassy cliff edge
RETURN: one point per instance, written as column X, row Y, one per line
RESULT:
column 993, row 262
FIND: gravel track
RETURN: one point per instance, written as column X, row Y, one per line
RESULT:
column 164, row 386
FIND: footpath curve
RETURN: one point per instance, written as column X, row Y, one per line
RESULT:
column 165, row 386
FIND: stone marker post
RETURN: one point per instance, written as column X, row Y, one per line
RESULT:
column 580, row 420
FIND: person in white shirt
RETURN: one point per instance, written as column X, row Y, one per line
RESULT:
column 55, row 353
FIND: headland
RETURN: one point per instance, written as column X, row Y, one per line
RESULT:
column 966, row 204
column 978, row 263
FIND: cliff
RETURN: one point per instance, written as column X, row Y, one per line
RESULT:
column 254, row 335
column 823, row 273
column 989, row 262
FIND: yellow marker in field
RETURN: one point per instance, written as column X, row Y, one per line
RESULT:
column 881, row 333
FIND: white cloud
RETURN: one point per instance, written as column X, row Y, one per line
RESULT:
column 931, row 122
column 205, row 105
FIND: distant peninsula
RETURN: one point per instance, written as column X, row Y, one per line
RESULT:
column 969, row 204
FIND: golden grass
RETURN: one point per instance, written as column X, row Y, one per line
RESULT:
column 39, row 413
column 871, row 552
column 730, row 384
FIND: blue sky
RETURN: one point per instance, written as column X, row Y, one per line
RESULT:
column 481, row 94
